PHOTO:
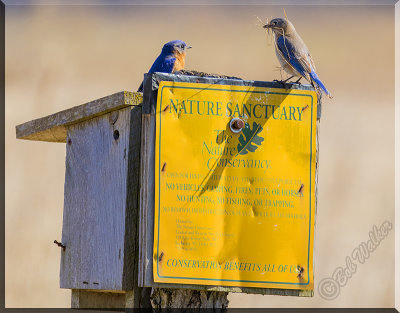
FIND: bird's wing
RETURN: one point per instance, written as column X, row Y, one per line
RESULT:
column 297, row 58
column 163, row 64
column 311, row 62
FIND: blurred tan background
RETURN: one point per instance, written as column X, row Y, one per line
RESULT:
column 62, row 56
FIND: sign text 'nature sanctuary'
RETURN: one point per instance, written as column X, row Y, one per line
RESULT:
column 234, row 209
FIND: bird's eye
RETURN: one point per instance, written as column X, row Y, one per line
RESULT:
column 182, row 46
column 273, row 23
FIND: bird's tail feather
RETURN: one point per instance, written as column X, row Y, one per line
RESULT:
column 319, row 83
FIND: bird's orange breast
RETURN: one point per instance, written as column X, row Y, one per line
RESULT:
column 180, row 62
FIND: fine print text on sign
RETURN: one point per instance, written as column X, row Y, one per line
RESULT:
column 234, row 209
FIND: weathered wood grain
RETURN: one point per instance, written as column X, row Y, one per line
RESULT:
column 100, row 202
column 147, row 183
column 129, row 281
column 53, row 128
column 191, row 299
column 146, row 227
column 217, row 79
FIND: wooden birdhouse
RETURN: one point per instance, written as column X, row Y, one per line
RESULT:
column 162, row 189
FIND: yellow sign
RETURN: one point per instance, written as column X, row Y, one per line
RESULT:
column 234, row 209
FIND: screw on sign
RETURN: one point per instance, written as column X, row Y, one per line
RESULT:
column 236, row 125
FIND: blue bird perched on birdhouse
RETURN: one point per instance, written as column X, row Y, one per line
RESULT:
column 171, row 59
column 293, row 54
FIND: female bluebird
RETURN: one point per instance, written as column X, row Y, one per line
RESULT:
column 170, row 60
column 293, row 54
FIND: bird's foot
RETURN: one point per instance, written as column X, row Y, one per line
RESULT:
column 297, row 82
column 282, row 82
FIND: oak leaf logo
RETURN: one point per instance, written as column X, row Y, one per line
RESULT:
column 249, row 139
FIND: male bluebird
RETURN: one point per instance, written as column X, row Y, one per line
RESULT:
column 293, row 54
column 171, row 58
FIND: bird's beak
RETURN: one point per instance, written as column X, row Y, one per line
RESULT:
column 189, row 47
column 266, row 26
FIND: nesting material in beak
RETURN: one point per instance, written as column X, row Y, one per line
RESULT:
column 268, row 28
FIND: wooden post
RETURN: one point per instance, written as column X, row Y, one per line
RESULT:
column 108, row 219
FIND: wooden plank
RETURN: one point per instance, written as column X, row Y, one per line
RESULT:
column 146, row 217
column 216, row 79
column 53, row 128
column 129, row 279
column 89, row 299
column 146, row 211
column 146, row 228
column 95, row 200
